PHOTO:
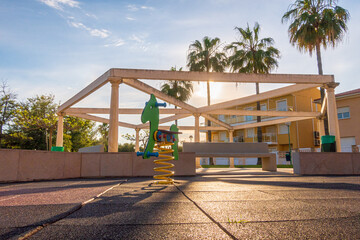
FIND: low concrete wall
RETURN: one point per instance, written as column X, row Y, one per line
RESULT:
column 28, row 165
column 326, row 163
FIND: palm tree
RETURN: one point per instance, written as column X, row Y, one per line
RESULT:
column 206, row 56
column 315, row 24
column 181, row 90
column 253, row 55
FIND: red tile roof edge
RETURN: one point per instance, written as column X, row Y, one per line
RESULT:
column 343, row 94
column 351, row 92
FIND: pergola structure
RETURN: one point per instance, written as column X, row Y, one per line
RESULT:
column 130, row 77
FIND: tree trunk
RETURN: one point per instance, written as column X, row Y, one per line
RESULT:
column 3, row 121
column 258, row 119
column 46, row 140
column 1, row 127
column 50, row 139
column 322, row 91
column 176, row 121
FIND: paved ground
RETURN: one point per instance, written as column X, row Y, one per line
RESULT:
column 216, row 204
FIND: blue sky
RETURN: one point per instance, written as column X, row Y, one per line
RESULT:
column 59, row 46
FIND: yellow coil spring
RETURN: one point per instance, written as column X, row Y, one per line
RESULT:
column 161, row 147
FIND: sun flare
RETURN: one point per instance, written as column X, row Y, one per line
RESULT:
column 215, row 89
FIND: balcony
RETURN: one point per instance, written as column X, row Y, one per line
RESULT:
column 269, row 138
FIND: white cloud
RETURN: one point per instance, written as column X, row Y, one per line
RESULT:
column 117, row 43
column 130, row 18
column 59, row 4
column 91, row 15
column 102, row 33
column 134, row 8
column 137, row 39
column 147, row 8
column 78, row 25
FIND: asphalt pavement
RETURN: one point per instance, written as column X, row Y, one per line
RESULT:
column 216, row 204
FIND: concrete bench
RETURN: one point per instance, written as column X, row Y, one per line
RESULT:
column 245, row 150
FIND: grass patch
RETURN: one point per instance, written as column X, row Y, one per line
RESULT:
column 248, row 166
column 215, row 166
column 285, row 166
column 243, row 166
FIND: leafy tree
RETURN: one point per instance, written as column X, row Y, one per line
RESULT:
column 207, row 56
column 78, row 133
column 315, row 24
column 8, row 107
column 181, row 90
column 35, row 122
column 143, row 138
column 250, row 54
column 126, row 147
column 103, row 130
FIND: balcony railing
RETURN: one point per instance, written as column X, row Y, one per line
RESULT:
column 266, row 137
column 236, row 120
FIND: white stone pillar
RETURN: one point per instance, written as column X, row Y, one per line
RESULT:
column 137, row 130
column 114, row 117
column 231, row 139
column 60, row 132
column 197, row 132
column 197, row 137
column 332, row 113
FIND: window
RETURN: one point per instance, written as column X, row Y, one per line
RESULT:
column 283, row 129
column 343, row 112
column 281, row 105
column 222, row 118
column 250, row 132
column 263, row 107
column 272, row 149
column 223, row 137
column 249, row 118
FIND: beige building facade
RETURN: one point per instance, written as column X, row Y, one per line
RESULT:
column 348, row 110
column 303, row 134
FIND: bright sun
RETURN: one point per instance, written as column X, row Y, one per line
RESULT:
column 215, row 89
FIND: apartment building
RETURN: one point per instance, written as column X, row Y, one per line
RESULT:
column 304, row 135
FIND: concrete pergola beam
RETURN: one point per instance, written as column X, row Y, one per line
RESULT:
column 201, row 128
column 92, row 87
column 271, row 122
column 150, row 90
column 214, row 120
column 265, row 113
column 219, row 77
column 166, row 119
column 100, row 119
column 123, row 110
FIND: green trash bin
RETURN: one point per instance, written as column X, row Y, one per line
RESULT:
column 288, row 156
column 57, row 149
column 328, row 143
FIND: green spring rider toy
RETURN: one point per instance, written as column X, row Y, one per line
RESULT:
column 162, row 144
